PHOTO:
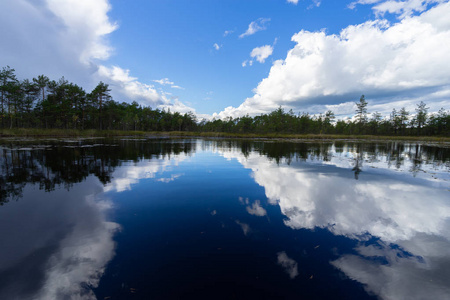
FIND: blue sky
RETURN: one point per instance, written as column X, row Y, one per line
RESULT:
column 176, row 40
column 203, row 56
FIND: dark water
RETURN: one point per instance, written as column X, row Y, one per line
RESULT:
column 218, row 219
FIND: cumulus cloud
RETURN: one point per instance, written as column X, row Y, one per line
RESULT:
column 57, row 38
column 130, row 87
column 293, row 1
column 69, row 38
column 178, row 106
column 386, row 62
column 216, row 46
column 88, row 20
column 255, row 26
column 262, row 53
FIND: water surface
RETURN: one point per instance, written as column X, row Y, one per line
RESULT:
column 223, row 219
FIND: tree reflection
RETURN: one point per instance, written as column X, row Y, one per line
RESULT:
column 49, row 164
column 357, row 167
column 64, row 163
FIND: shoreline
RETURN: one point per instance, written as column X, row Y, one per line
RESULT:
column 90, row 133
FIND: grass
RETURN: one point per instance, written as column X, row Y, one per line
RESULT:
column 434, row 139
column 33, row 132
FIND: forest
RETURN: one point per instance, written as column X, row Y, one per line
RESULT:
column 47, row 104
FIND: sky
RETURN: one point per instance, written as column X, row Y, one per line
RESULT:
column 231, row 58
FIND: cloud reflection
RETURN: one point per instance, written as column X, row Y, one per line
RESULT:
column 55, row 245
column 404, row 212
column 129, row 174
column 288, row 264
column 403, row 276
column 245, row 227
column 256, row 209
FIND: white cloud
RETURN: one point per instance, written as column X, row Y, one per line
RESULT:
column 164, row 81
column 228, row 32
column 315, row 3
column 69, row 38
column 56, row 38
column 247, row 63
column 216, row 46
column 352, row 5
column 177, row 105
column 255, row 26
column 402, row 8
column 384, row 61
column 87, row 21
column 130, row 87
column 262, row 53
column 288, row 264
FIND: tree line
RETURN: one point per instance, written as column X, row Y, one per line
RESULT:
column 282, row 121
column 45, row 103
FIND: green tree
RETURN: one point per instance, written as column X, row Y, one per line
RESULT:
column 328, row 121
column 7, row 82
column 42, row 82
column 374, row 122
column 15, row 98
column 403, row 119
column 421, row 115
column 101, row 94
column 30, row 90
column 361, row 111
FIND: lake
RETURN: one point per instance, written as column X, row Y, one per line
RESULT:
column 223, row 219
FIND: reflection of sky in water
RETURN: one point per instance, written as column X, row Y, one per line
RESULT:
column 130, row 173
column 55, row 245
column 409, row 215
column 182, row 214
